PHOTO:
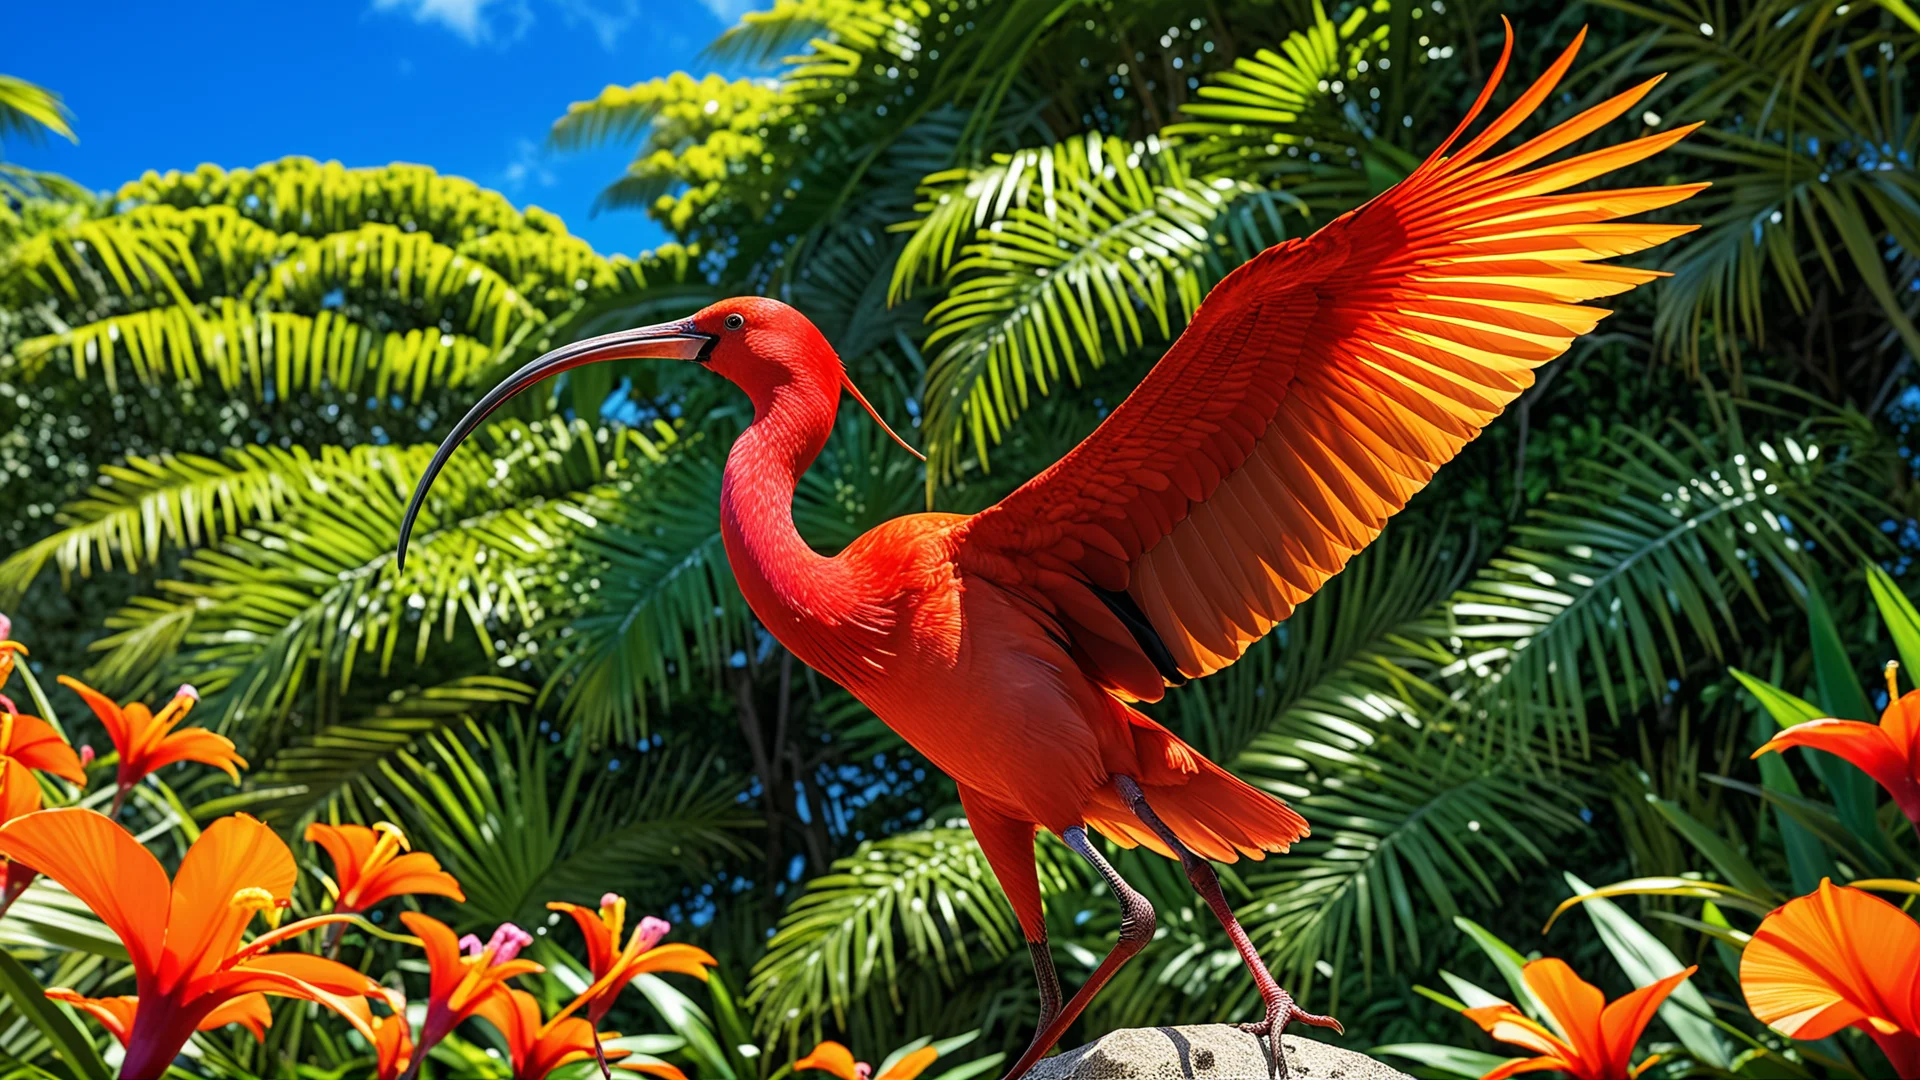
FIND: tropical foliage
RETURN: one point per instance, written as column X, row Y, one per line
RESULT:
column 217, row 388
column 1748, row 889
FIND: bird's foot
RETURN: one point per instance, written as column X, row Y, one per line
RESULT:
column 1282, row 1011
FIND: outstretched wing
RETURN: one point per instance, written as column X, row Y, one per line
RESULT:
column 1317, row 388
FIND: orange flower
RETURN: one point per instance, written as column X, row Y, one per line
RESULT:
column 465, row 974
column 614, row 967
column 27, row 743
column 831, row 1057
column 116, row 1013
column 1590, row 1039
column 1888, row 751
column 183, row 937
column 1838, row 958
column 538, row 1049
column 368, row 866
column 147, row 741
column 392, row 1046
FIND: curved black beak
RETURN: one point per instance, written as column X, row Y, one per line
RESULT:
column 666, row 341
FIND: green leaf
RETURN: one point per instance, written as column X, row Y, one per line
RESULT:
column 1854, row 792
column 1448, row 1059
column 1469, row 995
column 54, row 1021
column 688, row 1021
column 1736, row 868
column 1898, row 612
column 1807, row 860
column 26, row 108
column 1667, row 886
column 1509, row 961
column 48, row 917
column 1725, row 949
column 1786, row 709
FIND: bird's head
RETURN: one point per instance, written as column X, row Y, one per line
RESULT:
column 760, row 345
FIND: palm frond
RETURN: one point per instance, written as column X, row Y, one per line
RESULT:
column 1414, row 826
column 312, row 768
column 389, row 262
column 291, row 607
column 515, row 841
column 1652, row 559
column 761, row 37
column 298, row 195
column 1814, row 173
column 148, row 254
column 1115, row 251
column 137, row 511
column 925, row 898
column 654, row 599
column 1274, row 102
column 263, row 354
column 30, row 111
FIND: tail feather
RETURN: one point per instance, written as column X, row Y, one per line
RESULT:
column 1217, row 814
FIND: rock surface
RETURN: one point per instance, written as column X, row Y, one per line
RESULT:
column 1208, row 1052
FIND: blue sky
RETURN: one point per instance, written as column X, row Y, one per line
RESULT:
column 466, row 86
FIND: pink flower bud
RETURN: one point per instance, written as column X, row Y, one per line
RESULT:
column 6, row 627
column 86, row 755
column 651, row 931
column 187, row 690
column 507, row 942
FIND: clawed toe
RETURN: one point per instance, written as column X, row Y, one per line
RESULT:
column 1282, row 1011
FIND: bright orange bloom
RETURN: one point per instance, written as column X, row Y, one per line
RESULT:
column 614, row 967
column 183, row 937
column 1888, row 751
column 368, row 866
column 465, row 974
column 147, row 741
column 1590, row 1039
column 538, row 1049
column 1838, row 958
column 27, row 743
column 116, row 1013
column 392, row 1046
column 831, row 1057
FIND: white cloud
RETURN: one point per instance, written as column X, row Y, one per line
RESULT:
column 505, row 21
column 470, row 19
column 729, row 11
column 607, row 20
column 527, row 169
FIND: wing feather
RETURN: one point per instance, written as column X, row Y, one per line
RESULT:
column 1321, row 385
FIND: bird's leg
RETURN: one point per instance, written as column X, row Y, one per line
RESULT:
column 1048, row 976
column 1136, row 929
column 1281, row 1009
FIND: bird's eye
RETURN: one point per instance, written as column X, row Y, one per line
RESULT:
column 736, row 321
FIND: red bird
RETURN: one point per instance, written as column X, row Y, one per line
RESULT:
column 1318, row 388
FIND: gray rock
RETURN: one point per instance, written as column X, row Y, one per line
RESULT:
column 1205, row 1052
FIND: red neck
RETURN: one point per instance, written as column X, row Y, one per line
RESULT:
column 795, row 591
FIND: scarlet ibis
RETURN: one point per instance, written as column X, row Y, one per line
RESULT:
column 1317, row 388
